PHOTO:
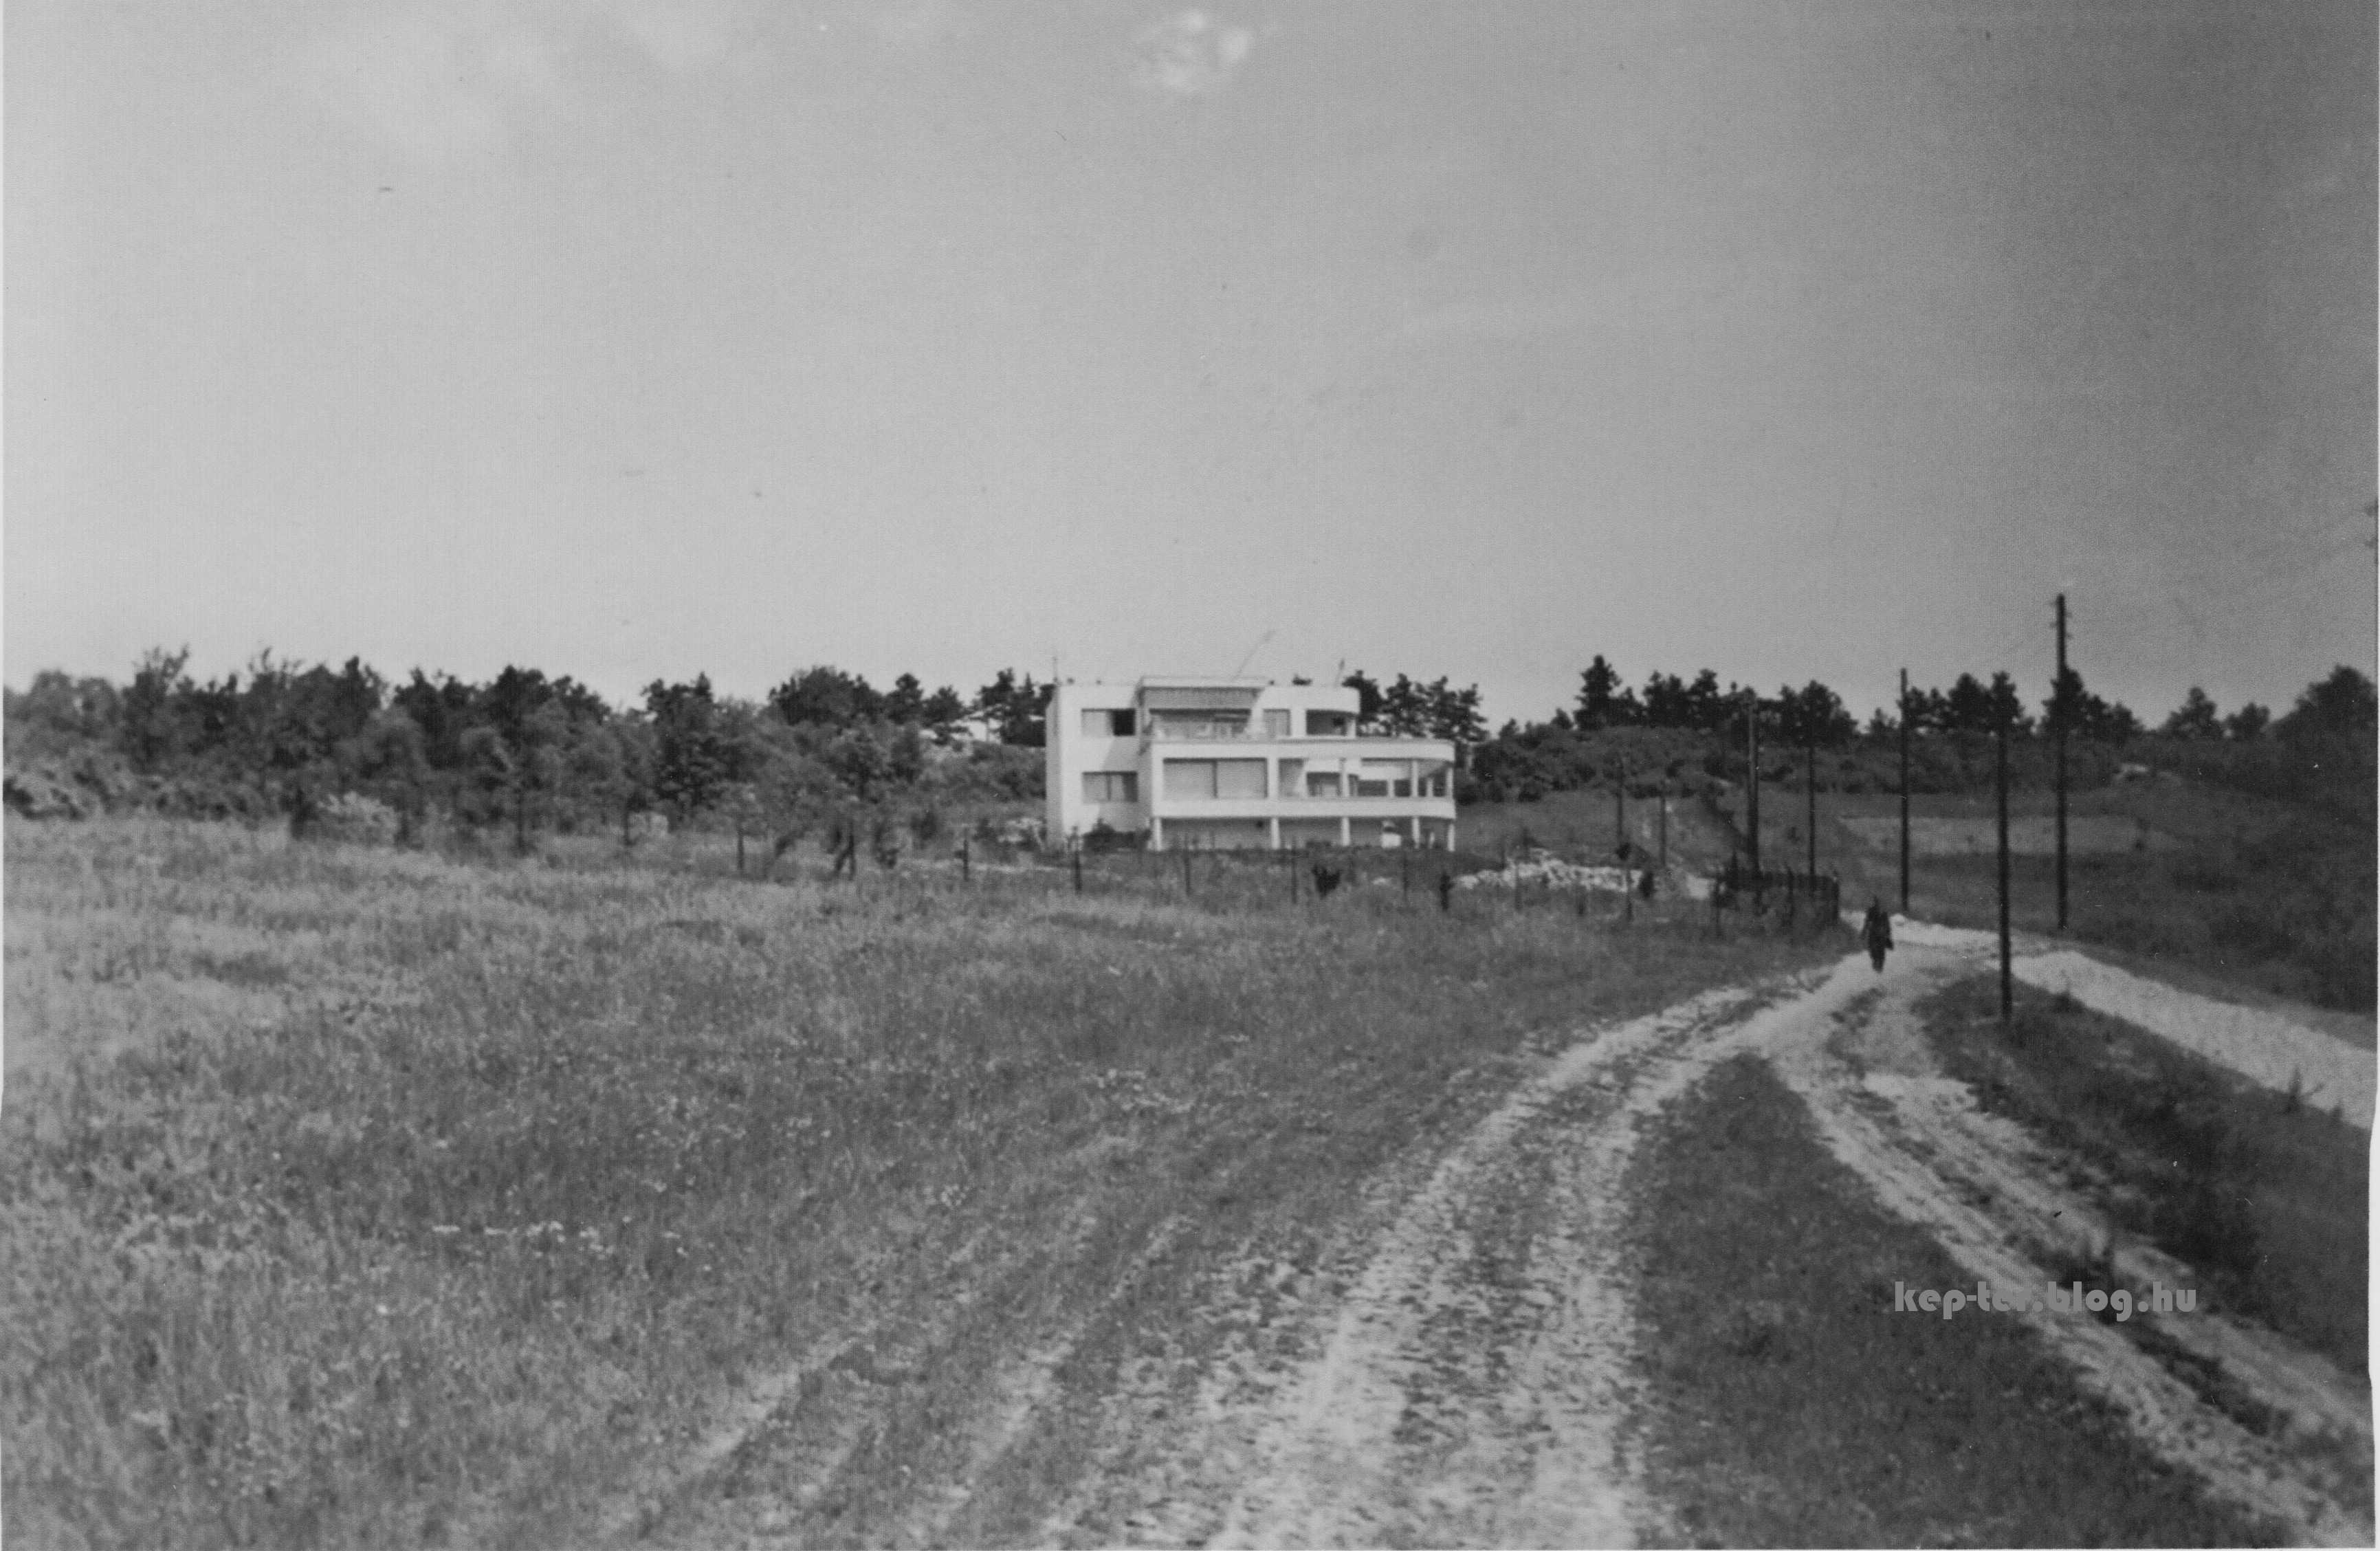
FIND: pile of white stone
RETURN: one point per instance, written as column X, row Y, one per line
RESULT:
column 1552, row 872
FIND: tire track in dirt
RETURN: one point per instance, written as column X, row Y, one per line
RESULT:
column 1454, row 1367
column 1470, row 1383
column 1992, row 1196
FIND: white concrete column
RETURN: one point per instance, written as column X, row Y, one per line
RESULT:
column 1346, row 834
column 1156, row 833
column 1274, row 827
column 1415, row 824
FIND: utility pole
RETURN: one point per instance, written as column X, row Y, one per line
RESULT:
column 1620, row 808
column 1665, row 828
column 2008, row 968
column 1905, row 790
column 1811, row 780
column 2059, row 708
column 1751, row 758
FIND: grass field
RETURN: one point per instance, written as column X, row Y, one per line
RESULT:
column 1792, row 1407
column 364, row 1195
column 2272, row 895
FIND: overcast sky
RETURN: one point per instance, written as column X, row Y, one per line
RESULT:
column 632, row 340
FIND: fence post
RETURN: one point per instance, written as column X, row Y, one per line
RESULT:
column 1186, row 869
column 1078, row 868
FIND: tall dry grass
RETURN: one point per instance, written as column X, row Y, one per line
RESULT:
column 363, row 1196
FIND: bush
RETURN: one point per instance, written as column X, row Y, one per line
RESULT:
column 352, row 817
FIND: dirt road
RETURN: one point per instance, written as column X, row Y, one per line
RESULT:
column 1454, row 1369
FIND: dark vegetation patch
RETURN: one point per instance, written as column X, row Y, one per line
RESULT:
column 2266, row 1196
column 1793, row 1407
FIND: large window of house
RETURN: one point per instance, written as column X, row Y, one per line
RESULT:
column 1276, row 724
column 1293, row 778
column 1329, row 724
column 1196, row 779
column 1190, row 779
column 1239, row 777
column 1322, row 784
column 1199, row 724
column 1107, row 724
column 1110, row 786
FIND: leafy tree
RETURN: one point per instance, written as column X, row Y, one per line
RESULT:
column 442, row 708
column 1969, row 707
column 1667, row 701
column 2008, row 708
column 2194, row 718
column 1813, row 714
column 905, row 757
column 692, row 760
column 1368, row 697
column 906, row 704
column 828, row 696
column 1015, row 710
column 57, row 713
column 1456, row 715
column 150, row 732
column 1603, row 700
column 2341, row 706
column 386, row 760
column 2248, row 723
column 1706, row 706
column 860, row 762
column 2084, row 714
column 943, row 713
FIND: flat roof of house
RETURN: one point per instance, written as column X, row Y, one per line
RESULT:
column 1200, row 680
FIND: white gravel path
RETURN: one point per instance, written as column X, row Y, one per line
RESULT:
column 2268, row 1047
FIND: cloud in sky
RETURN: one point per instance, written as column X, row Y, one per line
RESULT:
column 1191, row 55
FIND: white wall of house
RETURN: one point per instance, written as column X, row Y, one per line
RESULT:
column 1239, row 762
column 1080, row 742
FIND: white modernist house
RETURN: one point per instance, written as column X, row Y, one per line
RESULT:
column 1212, row 763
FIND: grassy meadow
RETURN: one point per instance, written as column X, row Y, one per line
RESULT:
column 2262, row 892
column 360, row 1196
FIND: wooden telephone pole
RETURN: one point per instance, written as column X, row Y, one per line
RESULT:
column 1752, row 800
column 1810, row 779
column 2060, row 708
column 2008, row 987
column 1905, row 790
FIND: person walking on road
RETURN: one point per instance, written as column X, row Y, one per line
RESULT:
column 1877, row 930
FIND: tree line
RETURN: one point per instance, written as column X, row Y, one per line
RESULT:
column 525, row 749
column 1613, row 731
